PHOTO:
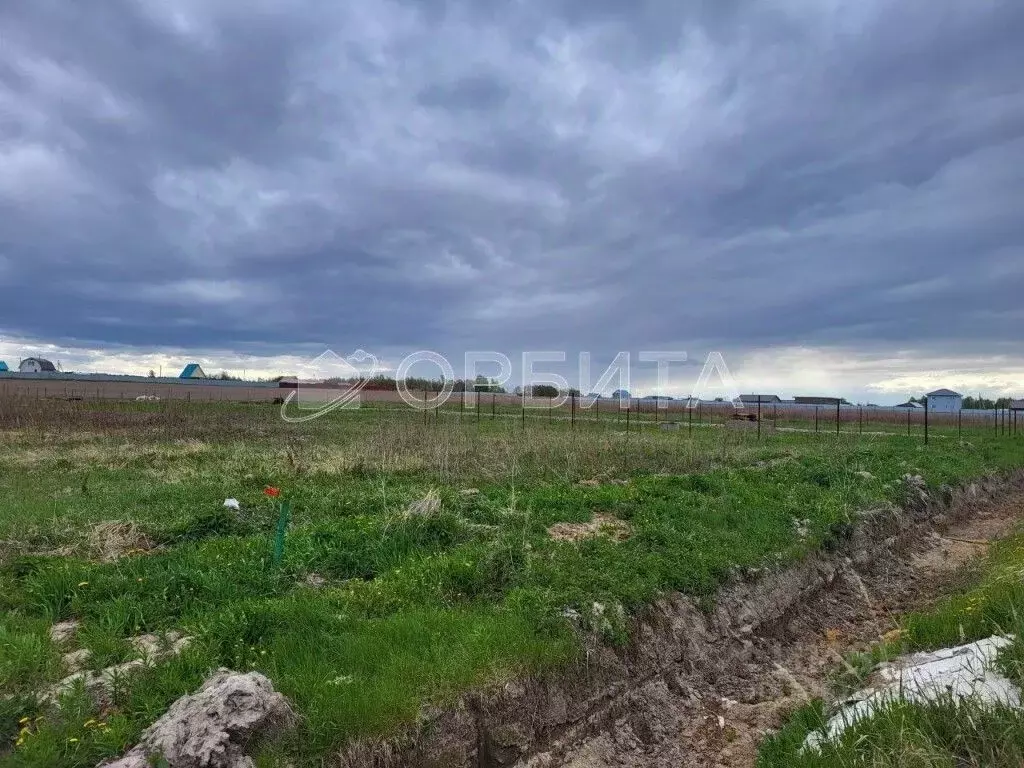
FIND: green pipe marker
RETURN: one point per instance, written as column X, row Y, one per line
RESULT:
column 282, row 525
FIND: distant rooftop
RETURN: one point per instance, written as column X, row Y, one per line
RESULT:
column 192, row 371
column 816, row 400
column 943, row 393
column 760, row 399
column 41, row 363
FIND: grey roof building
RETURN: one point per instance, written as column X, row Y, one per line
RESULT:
column 36, row 365
column 755, row 399
column 943, row 393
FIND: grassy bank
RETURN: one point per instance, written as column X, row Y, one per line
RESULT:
column 943, row 734
column 114, row 517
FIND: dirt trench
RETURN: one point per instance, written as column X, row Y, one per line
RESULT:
column 697, row 688
column 723, row 723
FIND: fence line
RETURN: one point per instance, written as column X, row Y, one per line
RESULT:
column 628, row 414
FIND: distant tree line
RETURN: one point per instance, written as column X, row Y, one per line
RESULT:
column 978, row 403
column 983, row 403
column 382, row 383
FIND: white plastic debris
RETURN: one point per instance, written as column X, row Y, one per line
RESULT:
column 963, row 672
column 231, row 503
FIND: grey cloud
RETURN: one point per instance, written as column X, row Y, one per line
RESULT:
column 474, row 92
column 591, row 175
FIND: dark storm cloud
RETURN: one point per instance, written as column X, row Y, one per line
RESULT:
column 596, row 175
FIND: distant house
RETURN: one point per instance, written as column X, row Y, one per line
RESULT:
column 820, row 401
column 944, row 401
column 193, row 371
column 3, row 367
column 909, row 405
column 1017, row 405
column 36, row 365
column 755, row 399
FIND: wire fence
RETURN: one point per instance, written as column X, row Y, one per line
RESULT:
column 636, row 414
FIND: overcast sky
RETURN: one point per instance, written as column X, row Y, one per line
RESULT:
column 829, row 192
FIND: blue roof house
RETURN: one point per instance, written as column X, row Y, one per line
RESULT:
column 192, row 371
column 3, row 367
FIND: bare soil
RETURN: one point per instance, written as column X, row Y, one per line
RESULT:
column 601, row 525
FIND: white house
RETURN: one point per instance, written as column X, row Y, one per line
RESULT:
column 35, row 365
column 944, row 401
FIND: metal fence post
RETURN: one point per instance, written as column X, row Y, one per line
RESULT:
column 494, row 396
column 758, row 417
column 926, row 409
column 838, row 405
column 815, row 419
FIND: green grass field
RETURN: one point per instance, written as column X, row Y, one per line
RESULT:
column 379, row 607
